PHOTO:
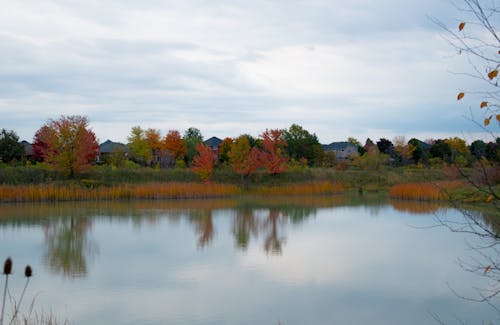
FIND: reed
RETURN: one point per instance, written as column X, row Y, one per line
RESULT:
column 309, row 188
column 73, row 192
column 423, row 191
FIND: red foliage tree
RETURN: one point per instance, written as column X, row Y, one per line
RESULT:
column 67, row 144
column 203, row 163
column 244, row 160
column 272, row 154
column 40, row 147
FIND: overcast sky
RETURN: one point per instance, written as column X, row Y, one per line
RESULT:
column 357, row 68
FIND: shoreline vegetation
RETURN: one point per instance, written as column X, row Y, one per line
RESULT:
column 40, row 184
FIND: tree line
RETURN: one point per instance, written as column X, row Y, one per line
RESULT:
column 69, row 145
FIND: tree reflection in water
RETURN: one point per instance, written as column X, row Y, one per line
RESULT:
column 273, row 241
column 245, row 225
column 204, row 226
column 68, row 247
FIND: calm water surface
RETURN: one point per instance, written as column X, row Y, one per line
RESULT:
column 281, row 261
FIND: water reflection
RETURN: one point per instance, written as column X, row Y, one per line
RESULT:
column 68, row 247
column 416, row 206
column 67, row 227
column 305, row 260
column 244, row 225
column 203, row 225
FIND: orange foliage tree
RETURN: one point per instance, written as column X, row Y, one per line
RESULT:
column 272, row 155
column 67, row 144
column 174, row 144
column 243, row 159
column 153, row 140
column 203, row 163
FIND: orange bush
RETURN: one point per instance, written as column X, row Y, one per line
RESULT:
column 423, row 191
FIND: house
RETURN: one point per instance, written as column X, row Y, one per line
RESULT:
column 343, row 150
column 213, row 143
column 28, row 150
column 107, row 148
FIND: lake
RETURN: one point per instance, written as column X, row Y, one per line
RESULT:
column 305, row 260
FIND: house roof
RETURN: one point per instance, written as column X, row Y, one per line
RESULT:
column 28, row 148
column 109, row 146
column 338, row 146
column 424, row 145
column 213, row 142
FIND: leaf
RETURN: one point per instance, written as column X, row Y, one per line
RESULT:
column 493, row 74
column 461, row 26
column 460, row 96
column 498, row 118
column 487, row 121
column 487, row 269
column 489, row 199
column 484, row 104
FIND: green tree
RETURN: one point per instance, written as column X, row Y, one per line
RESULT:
column 10, row 148
column 478, row 149
column 302, row 144
column 441, row 149
column 361, row 149
column 191, row 138
column 139, row 150
column 385, row 146
column 419, row 154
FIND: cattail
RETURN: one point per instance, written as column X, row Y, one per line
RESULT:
column 28, row 272
column 7, row 266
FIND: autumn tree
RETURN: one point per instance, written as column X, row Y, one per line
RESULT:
column 10, row 148
column 153, row 139
column 459, row 152
column 272, row 155
column 203, row 163
column 244, row 159
column 476, row 38
column 40, row 147
column 224, row 149
column 403, row 150
column 139, row 150
column 192, row 137
column 67, row 144
column 174, row 144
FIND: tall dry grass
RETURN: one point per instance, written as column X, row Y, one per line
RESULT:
column 423, row 191
column 174, row 190
column 53, row 192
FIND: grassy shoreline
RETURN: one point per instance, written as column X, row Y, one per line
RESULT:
column 39, row 184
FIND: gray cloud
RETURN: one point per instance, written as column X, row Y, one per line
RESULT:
column 360, row 68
